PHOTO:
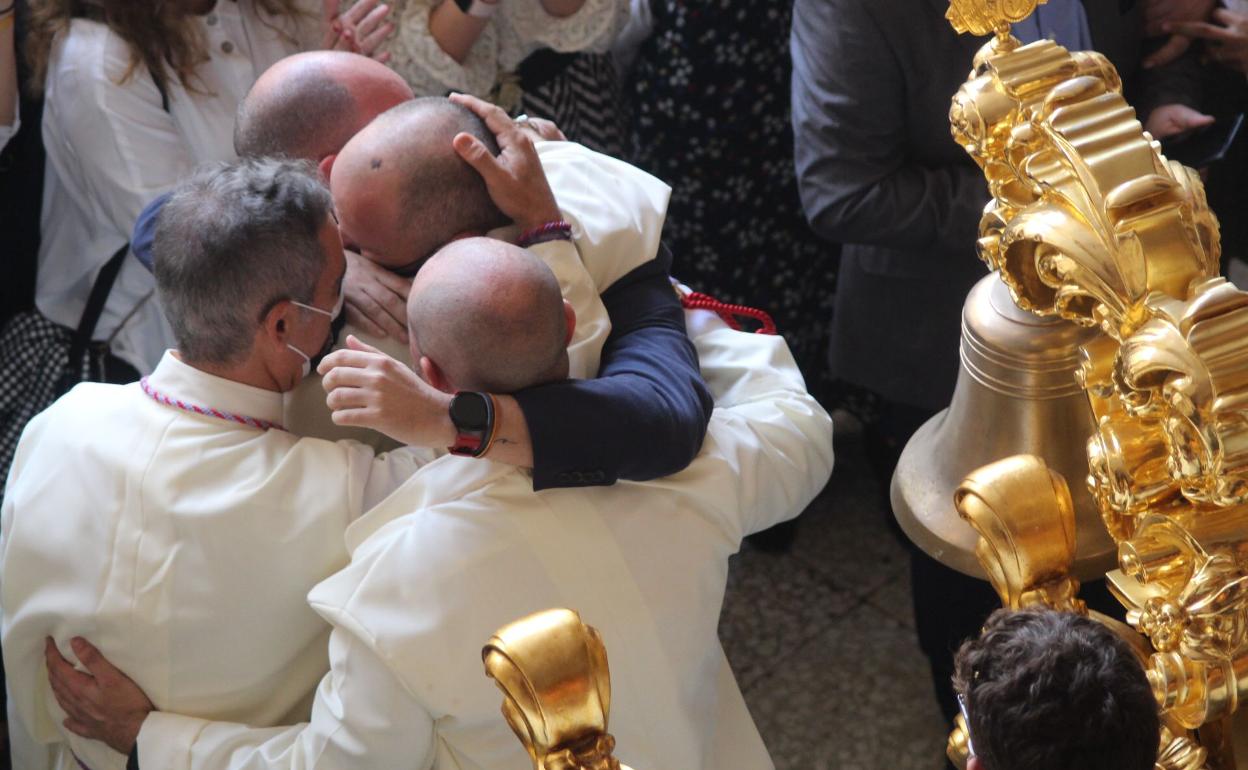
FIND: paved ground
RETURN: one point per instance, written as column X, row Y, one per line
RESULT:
column 822, row 638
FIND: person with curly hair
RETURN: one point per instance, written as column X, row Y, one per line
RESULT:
column 1048, row 690
column 137, row 94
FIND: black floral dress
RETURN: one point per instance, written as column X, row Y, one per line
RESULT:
column 711, row 106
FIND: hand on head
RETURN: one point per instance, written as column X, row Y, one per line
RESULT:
column 514, row 177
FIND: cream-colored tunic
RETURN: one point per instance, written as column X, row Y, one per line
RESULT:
column 183, row 546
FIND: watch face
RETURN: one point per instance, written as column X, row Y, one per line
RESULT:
column 469, row 411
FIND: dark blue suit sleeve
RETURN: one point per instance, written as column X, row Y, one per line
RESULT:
column 145, row 231
column 645, row 415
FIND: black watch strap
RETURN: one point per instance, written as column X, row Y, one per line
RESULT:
column 474, row 415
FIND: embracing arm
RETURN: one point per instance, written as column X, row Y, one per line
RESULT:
column 362, row 718
column 645, row 415
column 857, row 181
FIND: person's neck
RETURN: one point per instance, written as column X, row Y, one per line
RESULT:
column 246, row 372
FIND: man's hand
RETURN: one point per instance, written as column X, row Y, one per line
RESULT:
column 1157, row 13
column 1171, row 119
column 103, row 704
column 375, row 298
column 515, row 178
column 362, row 28
column 1226, row 42
column 368, row 389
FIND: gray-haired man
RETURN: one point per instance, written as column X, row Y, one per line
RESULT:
column 174, row 521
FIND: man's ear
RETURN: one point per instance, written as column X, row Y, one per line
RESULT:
column 327, row 165
column 973, row 763
column 569, row 315
column 433, row 375
column 277, row 321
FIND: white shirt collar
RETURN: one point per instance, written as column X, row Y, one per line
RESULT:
column 183, row 382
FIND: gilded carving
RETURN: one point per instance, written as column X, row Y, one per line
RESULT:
column 1089, row 222
column 552, row 670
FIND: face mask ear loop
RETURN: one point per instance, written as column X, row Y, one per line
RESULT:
column 307, row 362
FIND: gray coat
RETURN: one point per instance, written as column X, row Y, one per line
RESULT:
column 880, row 173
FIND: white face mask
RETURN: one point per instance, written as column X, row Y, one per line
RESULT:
column 333, row 316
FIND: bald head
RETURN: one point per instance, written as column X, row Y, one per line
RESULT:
column 308, row 105
column 490, row 316
column 401, row 189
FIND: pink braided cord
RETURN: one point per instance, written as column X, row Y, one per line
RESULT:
column 206, row 411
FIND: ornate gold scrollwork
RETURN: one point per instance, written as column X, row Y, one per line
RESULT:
column 984, row 17
column 1089, row 222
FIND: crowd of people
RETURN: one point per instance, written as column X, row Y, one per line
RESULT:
column 340, row 334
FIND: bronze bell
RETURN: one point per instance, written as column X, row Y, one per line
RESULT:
column 1017, row 393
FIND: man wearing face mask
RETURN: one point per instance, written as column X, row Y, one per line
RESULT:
column 174, row 520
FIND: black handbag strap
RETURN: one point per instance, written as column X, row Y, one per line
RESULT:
column 95, row 305
column 98, row 298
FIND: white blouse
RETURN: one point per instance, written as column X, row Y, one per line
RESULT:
column 112, row 148
column 517, row 29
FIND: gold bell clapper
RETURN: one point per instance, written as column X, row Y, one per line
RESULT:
column 1017, row 393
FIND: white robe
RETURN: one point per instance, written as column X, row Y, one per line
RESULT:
column 467, row 546
column 181, row 545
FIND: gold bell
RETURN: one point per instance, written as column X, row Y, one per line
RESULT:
column 1017, row 393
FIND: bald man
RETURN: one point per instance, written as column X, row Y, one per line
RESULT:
column 486, row 315
column 467, row 546
column 426, row 172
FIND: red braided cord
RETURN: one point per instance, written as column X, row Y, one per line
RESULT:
column 698, row 300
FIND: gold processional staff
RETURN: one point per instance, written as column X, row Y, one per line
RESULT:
column 1129, row 367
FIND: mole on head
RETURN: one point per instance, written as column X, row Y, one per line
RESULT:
column 375, row 164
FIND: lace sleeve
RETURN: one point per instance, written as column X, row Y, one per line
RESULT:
column 593, row 28
column 429, row 70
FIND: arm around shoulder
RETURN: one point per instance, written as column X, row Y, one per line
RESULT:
column 645, row 415
column 362, row 719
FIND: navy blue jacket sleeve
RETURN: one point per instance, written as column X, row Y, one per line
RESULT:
column 645, row 415
column 145, row 231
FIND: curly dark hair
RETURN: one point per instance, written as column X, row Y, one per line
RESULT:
column 1047, row 690
column 162, row 35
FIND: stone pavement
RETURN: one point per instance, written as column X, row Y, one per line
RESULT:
column 822, row 637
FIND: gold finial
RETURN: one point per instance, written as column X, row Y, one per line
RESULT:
column 984, row 17
column 552, row 669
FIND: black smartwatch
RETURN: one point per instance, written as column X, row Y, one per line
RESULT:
column 473, row 415
column 478, row 8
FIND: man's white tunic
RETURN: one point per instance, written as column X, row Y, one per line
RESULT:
column 183, row 546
